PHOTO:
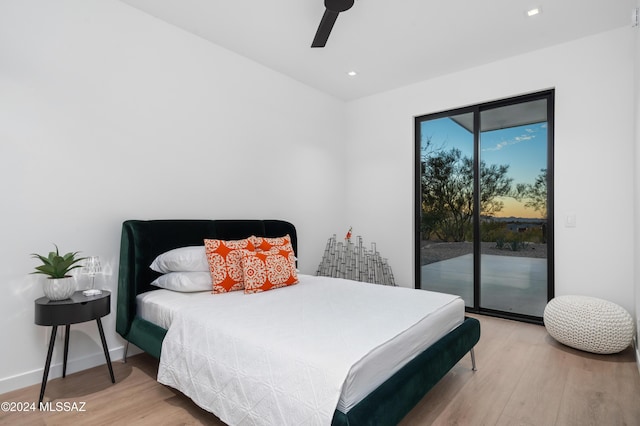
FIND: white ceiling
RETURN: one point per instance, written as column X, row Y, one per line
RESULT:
column 389, row 43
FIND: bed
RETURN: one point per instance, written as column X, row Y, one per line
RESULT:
column 142, row 241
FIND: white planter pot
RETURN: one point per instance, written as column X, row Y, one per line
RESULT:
column 59, row 288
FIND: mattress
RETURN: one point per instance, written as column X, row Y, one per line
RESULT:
column 441, row 315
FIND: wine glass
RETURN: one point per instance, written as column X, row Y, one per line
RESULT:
column 92, row 267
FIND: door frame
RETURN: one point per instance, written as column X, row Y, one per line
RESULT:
column 549, row 95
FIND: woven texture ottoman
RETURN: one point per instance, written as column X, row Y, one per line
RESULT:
column 589, row 324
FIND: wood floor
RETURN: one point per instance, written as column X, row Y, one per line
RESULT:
column 524, row 377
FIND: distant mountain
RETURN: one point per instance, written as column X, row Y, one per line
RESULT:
column 512, row 219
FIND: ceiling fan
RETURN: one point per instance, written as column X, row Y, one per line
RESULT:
column 333, row 9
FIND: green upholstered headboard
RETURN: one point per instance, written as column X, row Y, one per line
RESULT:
column 143, row 240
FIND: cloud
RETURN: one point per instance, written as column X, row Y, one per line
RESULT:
column 513, row 141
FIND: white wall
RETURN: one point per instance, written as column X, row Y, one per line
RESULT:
column 636, row 30
column 107, row 114
column 594, row 157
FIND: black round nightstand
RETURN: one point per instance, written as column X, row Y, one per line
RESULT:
column 79, row 308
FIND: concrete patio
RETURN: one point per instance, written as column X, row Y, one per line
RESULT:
column 510, row 284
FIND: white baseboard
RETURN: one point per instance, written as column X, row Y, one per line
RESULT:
column 33, row 377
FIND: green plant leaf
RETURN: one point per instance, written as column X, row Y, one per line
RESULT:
column 57, row 266
column 43, row 259
column 45, row 269
column 70, row 255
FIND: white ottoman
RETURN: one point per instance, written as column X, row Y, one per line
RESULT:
column 589, row 324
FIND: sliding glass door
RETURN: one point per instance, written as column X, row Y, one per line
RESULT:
column 484, row 226
column 446, row 205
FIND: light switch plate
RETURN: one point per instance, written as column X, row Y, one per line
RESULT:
column 570, row 220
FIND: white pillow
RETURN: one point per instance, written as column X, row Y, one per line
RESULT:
column 184, row 281
column 183, row 259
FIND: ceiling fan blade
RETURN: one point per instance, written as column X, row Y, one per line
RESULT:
column 324, row 29
column 338, row 5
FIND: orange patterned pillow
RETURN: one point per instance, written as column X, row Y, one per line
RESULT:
column 225, row 263
column 268, row 270
column 266, row 243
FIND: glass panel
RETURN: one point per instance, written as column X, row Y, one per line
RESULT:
column 513, row 208
column 446, row 218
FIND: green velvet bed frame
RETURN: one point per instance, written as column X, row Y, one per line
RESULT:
column 142, row 241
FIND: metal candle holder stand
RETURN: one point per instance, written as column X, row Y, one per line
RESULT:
column 354, row 262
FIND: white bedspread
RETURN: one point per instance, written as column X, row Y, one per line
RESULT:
column 281, row 357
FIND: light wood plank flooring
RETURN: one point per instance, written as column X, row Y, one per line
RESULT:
column 524, row 377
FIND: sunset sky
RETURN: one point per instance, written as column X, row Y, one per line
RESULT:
column 523, row 148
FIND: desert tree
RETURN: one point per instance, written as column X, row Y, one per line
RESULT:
column 534, row 195
column 447, row 193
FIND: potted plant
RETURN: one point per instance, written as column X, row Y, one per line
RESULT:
column 60, row 284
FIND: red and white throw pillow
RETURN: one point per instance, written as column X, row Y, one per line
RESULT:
column 225, row 263
column 267, row 270
column 267, row 243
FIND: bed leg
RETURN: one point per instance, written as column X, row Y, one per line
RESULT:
column 126, row 349
column 473, row 359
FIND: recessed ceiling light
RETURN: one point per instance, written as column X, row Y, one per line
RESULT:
column 533, row 12
column 352, row 73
